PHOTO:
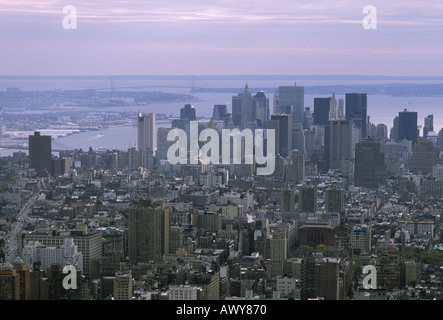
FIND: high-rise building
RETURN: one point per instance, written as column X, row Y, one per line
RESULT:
column 428, row 125
column 25, row 278
column 123, row 283
column 287, row 199
column 291, row 96
column 9, row 282
column 260, row 109
column 282, row 125
column 220, row 113
column 307, row 199
column 146, row 133
column 356, row 110
column 40, row 157
column 407, row 126
column 338, row 143
column 296, row 168
column 321, row 110
column 370, row 168
column 242, row 108
column 333, row 111
column 148, row 235
column 335, row 200
column 162, row 143
column 188, row 113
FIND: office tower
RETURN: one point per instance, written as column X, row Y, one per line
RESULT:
column 162, row 143
column 278, row 252
column 40, row 152
column 176, row 238
column 25, row 278
column 333, row 112
column 219, row 111
column 321, row 110
column 296, row 168
column 146, row 134
column 356, row 110
column 123, row 283
column 287, row 199
column 407, row 126
column 291, row 96
column 308, row 120
column 428, row 125
column 394, row 130
column 335, row 200
column 424, row 156
column 260, row 109
column 9, row 282
column 282, row 124
column 381, row 132
column 242, row 108
column 188, row 113
column 148, row 235
column 307, row 199
column 370, row 167
column 338, row 143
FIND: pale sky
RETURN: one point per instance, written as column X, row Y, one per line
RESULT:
column 224, row 37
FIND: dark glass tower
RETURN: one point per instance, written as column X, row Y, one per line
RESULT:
column 356, row 110
column 321, row 110
column 40, row 152
column 407, row 126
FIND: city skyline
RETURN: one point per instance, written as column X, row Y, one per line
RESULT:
column 223, row 37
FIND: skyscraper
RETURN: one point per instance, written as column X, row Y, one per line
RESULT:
column 321, row 110
column 260, row 108
column 356, row 110
column 338, row 143
column 291, row 96
column 370, row 167
column 40, row 157
column 428, row 125
column 188, row 113
column 242, row 108
column 282, row 125
column 146, row 138
column 123, row 283
column 146, row 132
column 333, row 112
column 148, row 236
column 335, row 200
column 407, row 126
column 307, row 199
